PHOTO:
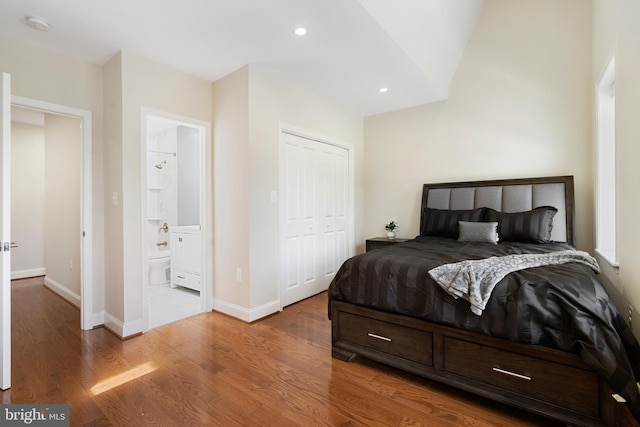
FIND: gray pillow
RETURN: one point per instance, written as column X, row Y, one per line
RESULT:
column 486, row 232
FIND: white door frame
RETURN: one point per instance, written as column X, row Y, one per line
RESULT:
column 206, row 209
column 292, row 130
column 87, row 320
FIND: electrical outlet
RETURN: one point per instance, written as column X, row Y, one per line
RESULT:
column 630, row 316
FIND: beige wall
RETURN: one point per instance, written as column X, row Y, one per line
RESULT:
column 62, row 230
column 250, row 105
column 615, row 31
column 114, row 275
column 231, row 189
column 44, row 75
column 519, row 106
column 27, row 199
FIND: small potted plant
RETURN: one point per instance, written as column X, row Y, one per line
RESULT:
column 391, row 228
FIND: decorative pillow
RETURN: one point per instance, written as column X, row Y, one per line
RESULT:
column 532, row 226
column 486, row 232
column 444, row 222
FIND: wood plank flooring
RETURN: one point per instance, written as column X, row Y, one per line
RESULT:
column 212, row 370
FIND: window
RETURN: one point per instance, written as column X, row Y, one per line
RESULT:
column 606, row 165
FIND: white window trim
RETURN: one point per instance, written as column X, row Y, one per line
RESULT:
column 606, row 88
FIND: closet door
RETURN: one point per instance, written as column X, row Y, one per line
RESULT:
column 314, row 222
column 333, row 207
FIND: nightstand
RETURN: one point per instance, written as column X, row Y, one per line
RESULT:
column 381, row 242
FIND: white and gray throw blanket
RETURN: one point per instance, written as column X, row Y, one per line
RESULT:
column 474, row 280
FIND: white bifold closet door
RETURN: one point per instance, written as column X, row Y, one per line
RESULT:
column 314, row 209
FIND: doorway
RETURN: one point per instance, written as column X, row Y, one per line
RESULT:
column 70, row 276
column 175, row 279
column 316, row 213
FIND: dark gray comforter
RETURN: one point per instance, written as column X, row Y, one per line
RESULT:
column 559, row 306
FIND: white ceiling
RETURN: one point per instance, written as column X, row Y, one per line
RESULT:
column 353, row 47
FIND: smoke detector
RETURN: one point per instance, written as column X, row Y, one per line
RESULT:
column 38, row 23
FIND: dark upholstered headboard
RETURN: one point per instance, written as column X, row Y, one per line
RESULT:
column 508, row 195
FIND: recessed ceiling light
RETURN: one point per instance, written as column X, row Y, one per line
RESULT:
column 383, row 89
column 300, row 31
column 38, row 23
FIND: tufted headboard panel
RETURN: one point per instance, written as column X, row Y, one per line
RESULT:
column 510, row 195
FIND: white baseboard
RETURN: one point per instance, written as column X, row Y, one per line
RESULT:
column 132, row 328
column 123, row 330
column 246, row 314
column 65, row 293
column 98, row 319
column 113, row 324
column 23, row 274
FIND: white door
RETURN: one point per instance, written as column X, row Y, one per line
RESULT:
column 314, row 215
column 5, row 235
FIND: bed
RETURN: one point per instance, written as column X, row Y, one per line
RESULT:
column 545, row 338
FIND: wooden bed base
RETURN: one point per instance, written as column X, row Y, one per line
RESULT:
column 553, row 383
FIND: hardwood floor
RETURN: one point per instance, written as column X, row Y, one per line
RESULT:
column 215, row 370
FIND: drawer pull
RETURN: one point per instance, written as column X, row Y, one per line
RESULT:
column 513, row 374
column 380, row 337
column 180, row 277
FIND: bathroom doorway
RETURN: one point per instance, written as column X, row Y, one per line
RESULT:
column 175, row 280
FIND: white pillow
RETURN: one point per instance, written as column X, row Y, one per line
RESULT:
column 486, row 232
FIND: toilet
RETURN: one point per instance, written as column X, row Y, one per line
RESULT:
column 159, row 268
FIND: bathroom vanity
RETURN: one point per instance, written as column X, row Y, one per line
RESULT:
column 186, row 256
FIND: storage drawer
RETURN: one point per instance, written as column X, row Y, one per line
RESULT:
column 524, row 375
column 188, row 280
column 396, row 340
